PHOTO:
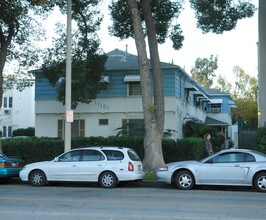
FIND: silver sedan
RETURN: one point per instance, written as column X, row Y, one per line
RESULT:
column 233, row 167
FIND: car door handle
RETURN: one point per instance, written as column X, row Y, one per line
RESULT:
column 236, row 165
column 74, row 165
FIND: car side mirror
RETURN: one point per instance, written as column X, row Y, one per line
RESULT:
column 55, row 159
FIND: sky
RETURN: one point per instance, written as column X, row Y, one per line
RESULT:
column 235, row 48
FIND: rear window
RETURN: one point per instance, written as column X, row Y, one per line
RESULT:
column 133, row 155
column 113, row 154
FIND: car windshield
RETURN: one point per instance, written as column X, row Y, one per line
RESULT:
column 206, row 158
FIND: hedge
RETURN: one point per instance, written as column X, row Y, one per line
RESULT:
column 261, row 140
column 34, row 149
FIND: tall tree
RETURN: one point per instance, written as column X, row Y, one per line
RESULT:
column 204, row 70
column 223, row 85
column 87, row 57
column 20, row 27
column 153, row 102
column 133, row 16
column 19, row 30
column 245, row 96
column 244, row 93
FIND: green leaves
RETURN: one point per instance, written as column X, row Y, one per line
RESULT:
column 220, row 15
column 203, row 71
column 87, row 58
column 163, row 12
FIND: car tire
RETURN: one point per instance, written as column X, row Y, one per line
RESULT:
column 260, row 182
column 37, row 178
column 184, row 180
column 108, row 180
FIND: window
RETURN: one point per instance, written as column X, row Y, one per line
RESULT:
column 134, row 88
column 229, row 158
column 103, row 121
column 71, row 156
column 8, row 102
column 133, row 126
column 113, row 154
column 7, row 131
column 133, row 155
column 77, row 128
column 249, row 158
column 92, row 155
column 216, row 108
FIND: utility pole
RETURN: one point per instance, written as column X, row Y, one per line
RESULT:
column 262, row 64
column 69, row 112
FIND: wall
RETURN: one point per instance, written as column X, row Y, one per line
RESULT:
column 21, row 115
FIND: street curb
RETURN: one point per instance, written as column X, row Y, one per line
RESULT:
column 143, row 183
column 153, row 183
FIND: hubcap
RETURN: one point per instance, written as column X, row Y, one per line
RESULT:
column 108, row 180
column 185, row 180
column 262, row 182
column 37, row 179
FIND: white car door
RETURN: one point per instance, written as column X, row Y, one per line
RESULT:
column 66, row 168
column 91, row 165
column 223, row 169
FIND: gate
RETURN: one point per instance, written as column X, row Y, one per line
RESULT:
column 246, row 136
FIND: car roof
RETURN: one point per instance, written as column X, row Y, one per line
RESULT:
column 102, row 148
column 237, row 150
column 243, row 151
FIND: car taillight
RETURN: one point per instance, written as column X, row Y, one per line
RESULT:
column 130, row 166
column 5, row 164
column 10, row 164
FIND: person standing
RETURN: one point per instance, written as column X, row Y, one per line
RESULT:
column 208, row 144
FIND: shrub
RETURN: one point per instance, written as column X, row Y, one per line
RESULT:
column 261, row 140
column 183, row 149
column 194, row 128
column 34, row 149
column 24, row 132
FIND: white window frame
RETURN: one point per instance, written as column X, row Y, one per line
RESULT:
column 7, row 102
column 7, row 131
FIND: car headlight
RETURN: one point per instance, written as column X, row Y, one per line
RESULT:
column 164, row 168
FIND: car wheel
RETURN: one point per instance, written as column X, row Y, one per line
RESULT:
column 184, row 180
column 260, row 182
column 108, row 180
column 37, row 178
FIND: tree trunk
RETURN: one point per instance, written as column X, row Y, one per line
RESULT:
column 156, row 135
column 153, row 157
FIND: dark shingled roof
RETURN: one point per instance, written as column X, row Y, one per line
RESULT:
column 121, row 60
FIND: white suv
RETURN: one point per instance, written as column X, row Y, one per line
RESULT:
column 106, row 165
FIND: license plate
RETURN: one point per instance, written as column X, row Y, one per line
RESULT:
column 139, row 167
column 13, row 164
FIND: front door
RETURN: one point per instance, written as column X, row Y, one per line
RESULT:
column 223, row 169
column 66, row 168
